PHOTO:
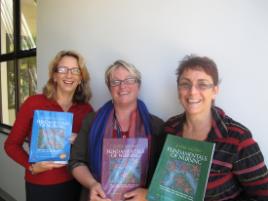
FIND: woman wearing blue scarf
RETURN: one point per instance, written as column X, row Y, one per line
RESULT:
column 123, row 117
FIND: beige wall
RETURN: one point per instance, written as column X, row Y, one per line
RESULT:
column 11, row 174
column 155, row 35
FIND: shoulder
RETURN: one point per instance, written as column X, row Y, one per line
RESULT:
column 234, row 129
column 173, row 119
column 32, row 103
column 35, row 101
column 157, row 124
column 156, row 120
column 36, row 98
column 86, row 107
column 174, row 122
column 239, row 132
column 89, row 117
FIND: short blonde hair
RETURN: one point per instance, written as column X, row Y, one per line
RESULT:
column 123, row 64
column 83, row 92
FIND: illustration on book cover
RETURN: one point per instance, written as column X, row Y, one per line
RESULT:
column 50, row 139
column 182, row 170
column 181, row 176
column 124, row 165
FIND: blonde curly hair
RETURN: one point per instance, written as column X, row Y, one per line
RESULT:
column 83, row 92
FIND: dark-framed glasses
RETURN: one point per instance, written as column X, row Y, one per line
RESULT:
column 65, row 70
column 200, row 86
column 128, row 81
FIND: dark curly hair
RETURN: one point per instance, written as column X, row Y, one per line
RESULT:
column 193, row 62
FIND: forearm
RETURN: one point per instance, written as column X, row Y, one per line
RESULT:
column 83, row 176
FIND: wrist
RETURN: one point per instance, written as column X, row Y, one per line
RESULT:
column 31, row 169
column 92, row 183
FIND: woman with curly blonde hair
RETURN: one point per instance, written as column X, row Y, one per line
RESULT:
column 67, row 90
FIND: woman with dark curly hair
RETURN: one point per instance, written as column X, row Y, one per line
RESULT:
column 238, row 170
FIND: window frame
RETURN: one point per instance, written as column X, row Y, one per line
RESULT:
column 15, row 56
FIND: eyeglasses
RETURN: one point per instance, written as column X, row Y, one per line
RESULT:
column 201, row 86
column 128, row 81
column 65, row 70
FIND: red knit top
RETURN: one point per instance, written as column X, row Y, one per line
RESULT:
column 22, row 130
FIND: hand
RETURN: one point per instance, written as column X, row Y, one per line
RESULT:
column 96, row 193
column 44, row 166
column 73, row 137
column 138, row 194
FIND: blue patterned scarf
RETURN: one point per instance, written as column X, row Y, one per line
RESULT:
column 97, row 132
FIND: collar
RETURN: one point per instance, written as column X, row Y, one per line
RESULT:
column 218, row 129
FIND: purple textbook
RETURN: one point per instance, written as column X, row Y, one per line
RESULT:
column 124, row 165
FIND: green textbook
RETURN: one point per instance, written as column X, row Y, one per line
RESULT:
column 182, row 170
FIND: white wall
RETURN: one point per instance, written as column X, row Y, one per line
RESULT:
column 154, row 35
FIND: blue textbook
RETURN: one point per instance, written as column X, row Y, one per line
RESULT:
column 50, row 139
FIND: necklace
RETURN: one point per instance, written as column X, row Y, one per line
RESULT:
column 117, row 126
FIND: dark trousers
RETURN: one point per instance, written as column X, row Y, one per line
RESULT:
column 68, row 191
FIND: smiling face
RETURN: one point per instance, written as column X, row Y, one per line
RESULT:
column 66, row 82
column 126, row 93
column 196, row 91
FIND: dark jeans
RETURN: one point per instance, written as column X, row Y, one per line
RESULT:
column 68, row 191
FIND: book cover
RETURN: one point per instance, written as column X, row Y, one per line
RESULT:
column 182, row 170
column 124, row 165
column 50, row 139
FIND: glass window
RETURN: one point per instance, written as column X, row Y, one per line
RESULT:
column 8, row 108
column 27, row 86
column 7, row 28
column 17, row 56
column 27, row 78
column 28, row 24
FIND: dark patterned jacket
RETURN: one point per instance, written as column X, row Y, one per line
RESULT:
column 238, row 170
